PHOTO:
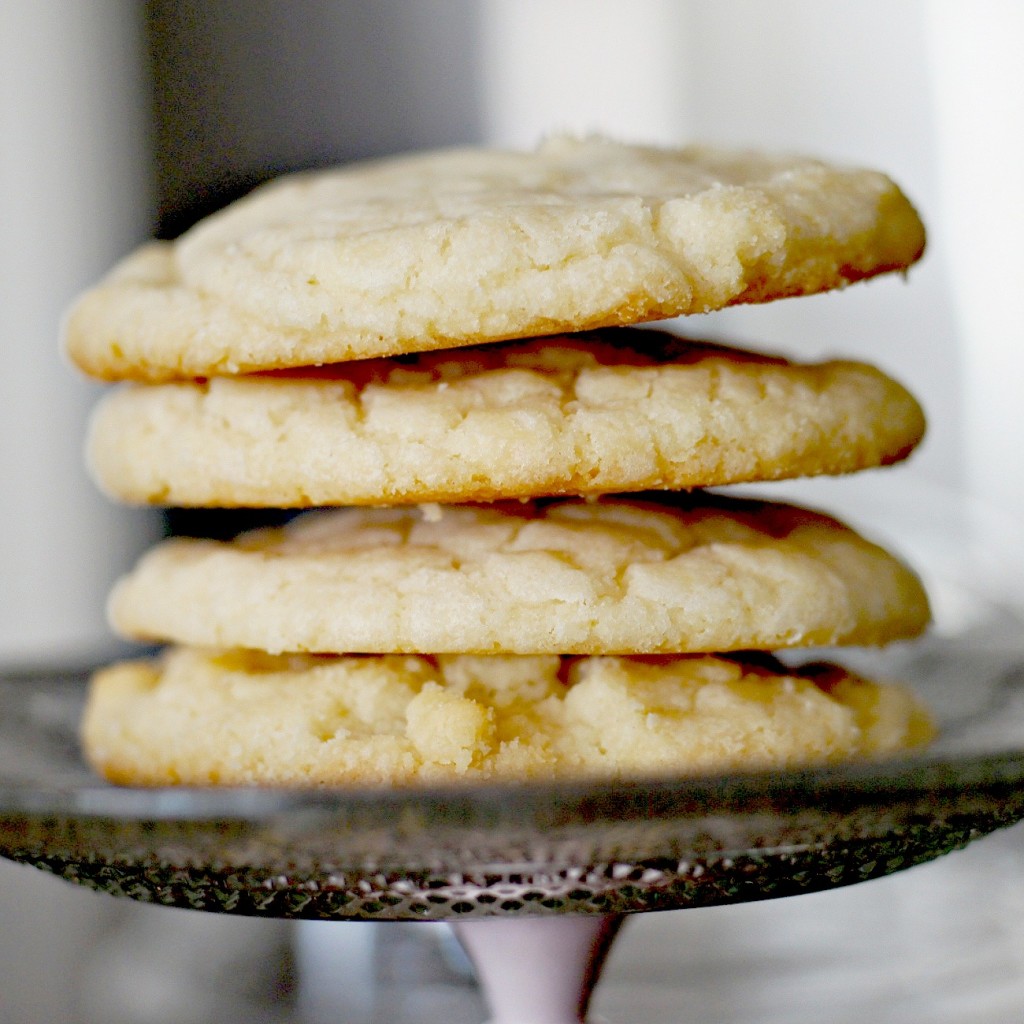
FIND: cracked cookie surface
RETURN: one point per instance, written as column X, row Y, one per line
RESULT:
column 612, row 411
column 671, row 574
column 457, row 247
column 241, row 718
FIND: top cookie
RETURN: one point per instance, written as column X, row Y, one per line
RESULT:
column 452, row 248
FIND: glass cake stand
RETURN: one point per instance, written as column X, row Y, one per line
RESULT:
column 577, row 855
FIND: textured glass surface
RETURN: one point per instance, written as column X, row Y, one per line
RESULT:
column 447, row 853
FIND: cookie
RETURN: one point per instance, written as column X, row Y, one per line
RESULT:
column 453, row 248
column 243, row 718
column 613, row 411
column 680, row 574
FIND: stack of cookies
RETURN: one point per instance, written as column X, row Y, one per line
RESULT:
column 513, row 572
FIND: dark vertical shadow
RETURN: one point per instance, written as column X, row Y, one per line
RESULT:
column 245, row 89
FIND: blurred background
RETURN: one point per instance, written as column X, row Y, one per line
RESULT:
column 121, row 120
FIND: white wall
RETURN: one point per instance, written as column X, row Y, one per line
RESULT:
column 976, row 82
column 74, row 195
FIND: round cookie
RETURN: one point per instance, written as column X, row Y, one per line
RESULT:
column 243, row 718
column 679, row 574
column 456, row 247
column 613, row 411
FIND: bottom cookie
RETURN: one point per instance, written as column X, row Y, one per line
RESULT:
column 241, row 717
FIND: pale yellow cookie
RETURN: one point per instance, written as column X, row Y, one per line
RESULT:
column 620, row 410
column 570, row 577
column 451, row 248
column 242, row 718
